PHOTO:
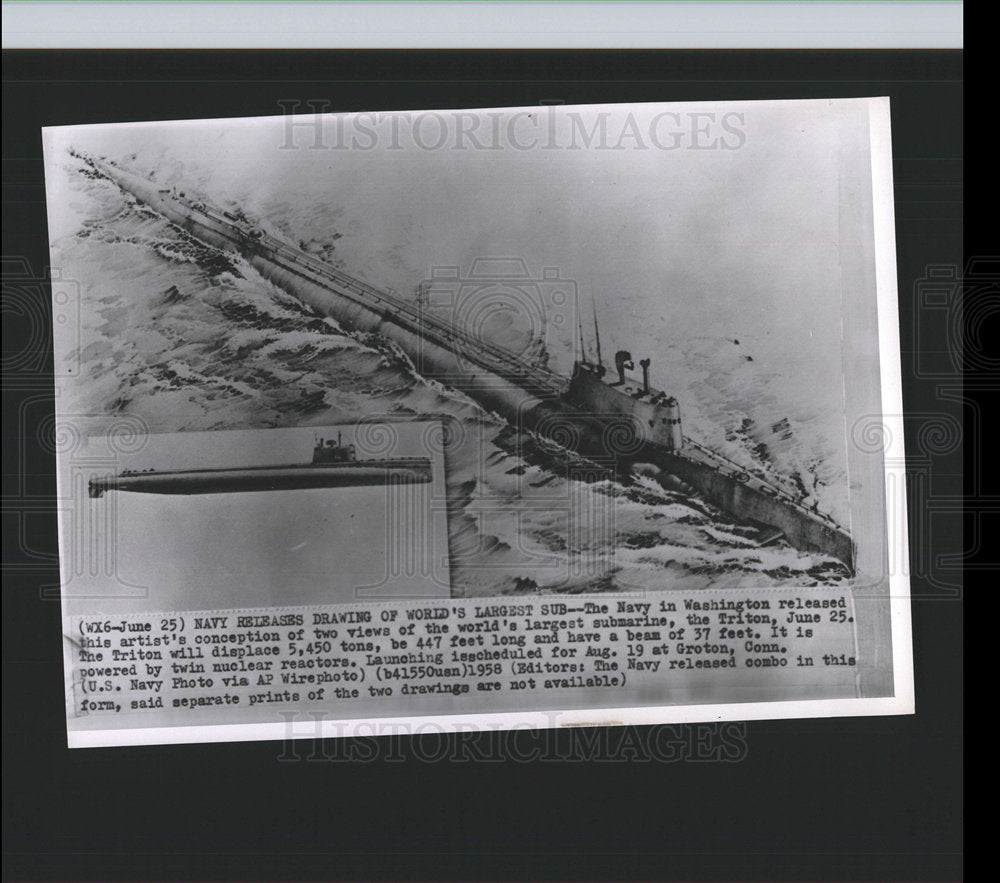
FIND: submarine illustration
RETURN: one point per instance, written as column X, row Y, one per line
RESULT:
column 334, row 465
column 606, row 416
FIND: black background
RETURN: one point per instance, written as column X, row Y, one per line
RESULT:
column 875, row 798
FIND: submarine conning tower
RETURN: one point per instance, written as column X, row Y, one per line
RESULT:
column 655, row 415
column 333, row 451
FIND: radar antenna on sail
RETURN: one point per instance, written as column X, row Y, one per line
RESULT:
column 597, row 334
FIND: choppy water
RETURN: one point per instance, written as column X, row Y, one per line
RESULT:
column 187, row 338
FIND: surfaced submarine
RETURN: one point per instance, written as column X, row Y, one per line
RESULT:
column 334, row 465
column 605, row 416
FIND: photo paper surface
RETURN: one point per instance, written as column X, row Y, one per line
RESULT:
column 489, row 418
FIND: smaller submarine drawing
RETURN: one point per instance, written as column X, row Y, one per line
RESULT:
column 334, row 465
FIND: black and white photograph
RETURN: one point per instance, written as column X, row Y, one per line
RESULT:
column 642, row 343
column 258, row 518
column 470, row 264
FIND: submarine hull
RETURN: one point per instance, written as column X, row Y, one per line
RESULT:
column 620, row 446
column 522, row 401
column 735, row 493
column 230, row 481
column 333, row 294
